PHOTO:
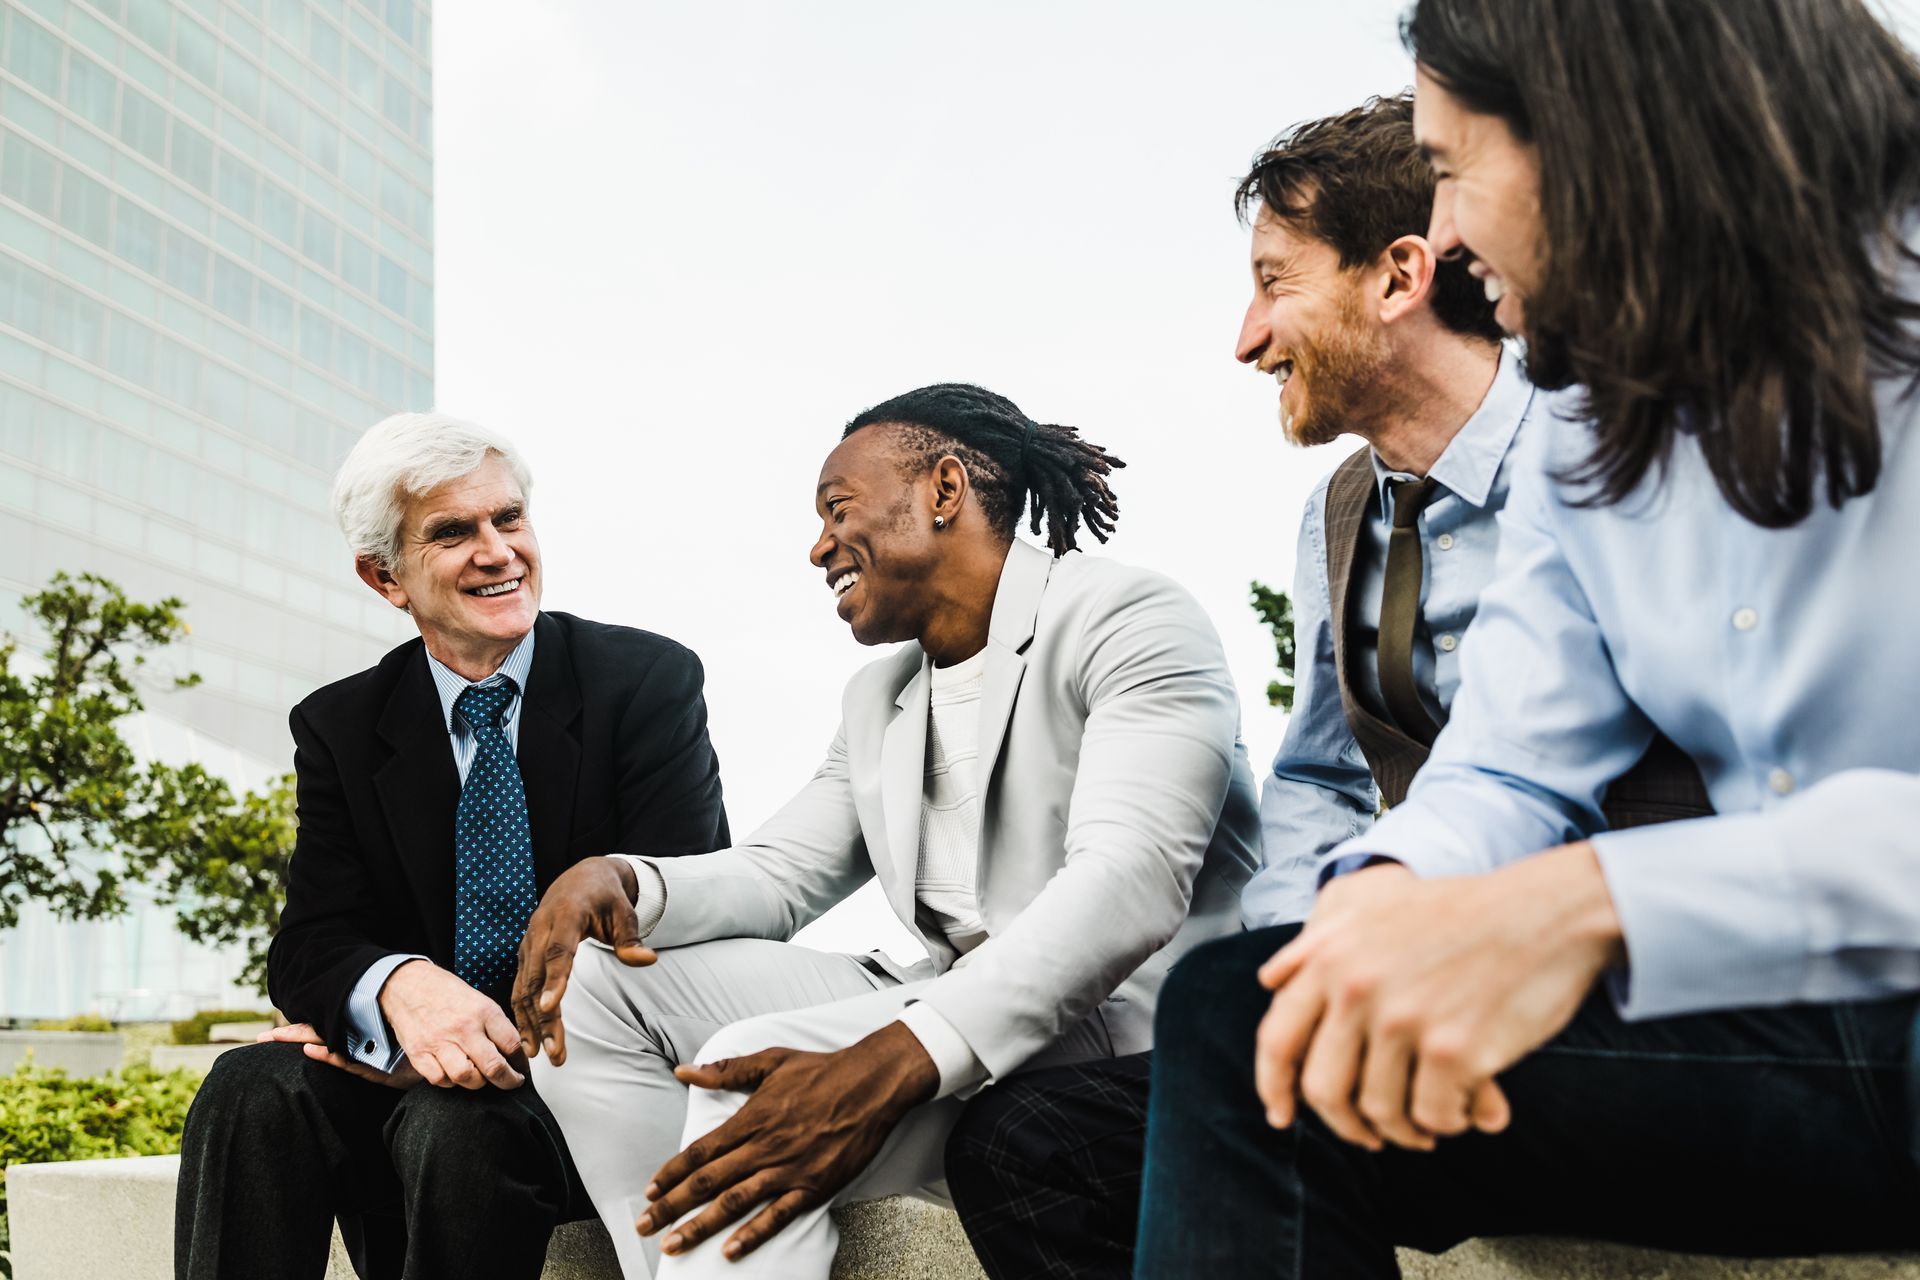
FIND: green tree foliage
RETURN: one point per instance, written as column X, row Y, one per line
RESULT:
column 46, row 1115
column 69, row 784
column 226, row 873
column 80, row 817
column 1276, row 611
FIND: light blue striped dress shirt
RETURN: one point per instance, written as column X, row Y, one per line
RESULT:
column 372, row 1039
column 1781, row 660
column 1320, row 790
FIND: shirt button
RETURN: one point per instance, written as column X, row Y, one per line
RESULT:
column 1449, row 643
column 1444, row 542
column 1781, row 781
column 1745, row 619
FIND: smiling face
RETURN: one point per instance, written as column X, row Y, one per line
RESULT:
column 1309, row 327
column 1486, row 197
column 877, row 543
column 468, row 569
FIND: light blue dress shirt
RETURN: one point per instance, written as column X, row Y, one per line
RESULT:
column 1781, row 660
column 372, row 1038
column 1320, row 791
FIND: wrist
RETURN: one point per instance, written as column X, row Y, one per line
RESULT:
column 395, row 987
column 908, row 1075
column 629, row 881
column 1582, row 905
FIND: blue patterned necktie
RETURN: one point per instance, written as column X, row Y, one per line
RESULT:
column 494, row 892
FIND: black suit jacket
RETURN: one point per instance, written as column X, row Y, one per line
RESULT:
column 613, row 753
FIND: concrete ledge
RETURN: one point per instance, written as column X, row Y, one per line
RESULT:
column 191, row 1057
column 78, row 1053
column 115, row 1218
column 238, row 1032
column 1546, row 1258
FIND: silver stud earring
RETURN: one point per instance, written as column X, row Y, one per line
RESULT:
column 939, row 522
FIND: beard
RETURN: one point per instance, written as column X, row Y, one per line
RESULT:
column 1337, row 378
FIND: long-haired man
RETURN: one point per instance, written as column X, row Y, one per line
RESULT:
column 1502, row 1017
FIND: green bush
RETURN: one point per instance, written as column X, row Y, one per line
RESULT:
column 84, row 1022
column 46, row 1115
column 194, row 1030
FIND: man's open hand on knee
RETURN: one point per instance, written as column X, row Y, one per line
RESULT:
column 814, row 1123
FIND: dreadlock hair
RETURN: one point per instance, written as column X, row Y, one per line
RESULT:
column 1011, row 460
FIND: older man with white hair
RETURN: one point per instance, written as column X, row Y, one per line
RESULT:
column 440, row 792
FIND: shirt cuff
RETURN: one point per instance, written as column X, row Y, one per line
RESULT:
column 373, row 1042
column 960, row 1069
column 650, row 897
column 1350, row 863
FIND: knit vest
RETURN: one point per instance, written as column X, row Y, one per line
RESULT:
column 1664, row 785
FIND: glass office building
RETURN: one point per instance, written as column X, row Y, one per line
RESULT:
column 216, row 270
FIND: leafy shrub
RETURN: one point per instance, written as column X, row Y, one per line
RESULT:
column 194, row 1030
column 83, row 1022
column 46, row 1115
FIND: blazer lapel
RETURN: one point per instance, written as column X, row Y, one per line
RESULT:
column 419, row 789
column 549, row 749
column 903, row 772
column 1016, row 607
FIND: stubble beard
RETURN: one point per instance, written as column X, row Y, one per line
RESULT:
column 1341, row 373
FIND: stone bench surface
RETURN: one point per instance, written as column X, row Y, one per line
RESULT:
column 92, row 1218
column 1545, row 1258
column 89, row 1218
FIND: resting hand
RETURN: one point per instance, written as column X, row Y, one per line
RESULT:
column 302, row 1033
column 451, row 1033
column 814, row 1123
column 1401, row 998
column 591, row 899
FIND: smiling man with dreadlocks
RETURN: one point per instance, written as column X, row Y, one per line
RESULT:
column 1047, row 779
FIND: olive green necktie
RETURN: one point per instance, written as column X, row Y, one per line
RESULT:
column 1400, row 612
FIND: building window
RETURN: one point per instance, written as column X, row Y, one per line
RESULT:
column 34, row 56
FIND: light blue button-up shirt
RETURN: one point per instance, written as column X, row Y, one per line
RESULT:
column 1320, row 791
column 373, row 1041
column 1781, row 660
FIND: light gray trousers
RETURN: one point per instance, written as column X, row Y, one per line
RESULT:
column 624, row 1114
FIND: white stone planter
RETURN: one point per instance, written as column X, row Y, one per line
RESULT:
column 78, row 1053
column 194, row 1057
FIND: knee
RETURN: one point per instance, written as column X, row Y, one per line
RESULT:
column 739, row 1039
column 256, row 1084
column 1214, row 992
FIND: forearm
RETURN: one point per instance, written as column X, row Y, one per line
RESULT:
column 1814, row 899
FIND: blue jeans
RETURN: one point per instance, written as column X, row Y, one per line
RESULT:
column 1759, row 1132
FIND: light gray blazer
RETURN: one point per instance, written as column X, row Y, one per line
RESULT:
column 1118, row 820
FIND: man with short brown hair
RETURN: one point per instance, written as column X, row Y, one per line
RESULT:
column 1369, row 332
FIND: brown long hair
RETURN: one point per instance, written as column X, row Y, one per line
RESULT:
column 1727, row 188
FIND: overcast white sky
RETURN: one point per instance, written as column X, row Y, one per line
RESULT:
column 680, row 244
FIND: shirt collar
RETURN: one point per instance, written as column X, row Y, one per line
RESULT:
column 1471, row 461
column 451, row 684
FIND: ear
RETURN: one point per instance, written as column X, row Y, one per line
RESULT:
column 1407, row 267
column 950, row 486
column 380, row 580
